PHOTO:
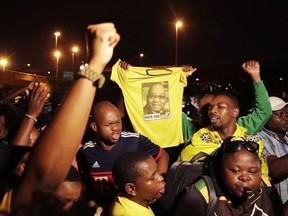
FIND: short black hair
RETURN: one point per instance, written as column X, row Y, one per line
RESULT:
column 126, row 168
column 233, row 98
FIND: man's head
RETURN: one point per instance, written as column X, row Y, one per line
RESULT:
column 240, row 167
column 156, row 97
column 136, row 175
column 278, row 122
column 223, row 111
column 106, row 122
column 69, row 191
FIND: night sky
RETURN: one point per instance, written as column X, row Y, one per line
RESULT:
column 215, row 33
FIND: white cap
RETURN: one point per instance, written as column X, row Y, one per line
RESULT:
column 277, row 103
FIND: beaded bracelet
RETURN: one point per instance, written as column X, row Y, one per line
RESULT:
column 31, row 117
column 92, row 75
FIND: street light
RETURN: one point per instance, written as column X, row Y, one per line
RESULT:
column 57, row 34
column 177, row 25
column 3, row 62
column 141, row 57
column 57, row 55
column 74, row 51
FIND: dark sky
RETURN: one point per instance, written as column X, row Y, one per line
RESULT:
column 214, row 32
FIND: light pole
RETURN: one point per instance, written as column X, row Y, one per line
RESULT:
column 57, row 34
column 177, row 25
column 3, row 62
column 74, row 51
column 57, row 55
column 141, row 57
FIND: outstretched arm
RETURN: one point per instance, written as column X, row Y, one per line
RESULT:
column 51, row 157
column 256, row 120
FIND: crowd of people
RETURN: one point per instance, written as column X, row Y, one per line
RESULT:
column 81, row 159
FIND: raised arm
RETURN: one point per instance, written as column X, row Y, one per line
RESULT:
column 256, row 120
column 50, row 160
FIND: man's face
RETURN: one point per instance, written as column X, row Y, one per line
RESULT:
column 109, row 126
column 156, row 98
column 68, row 193
column 222, row 112
column 150, row 184
column 241, row 170
column 278, row 122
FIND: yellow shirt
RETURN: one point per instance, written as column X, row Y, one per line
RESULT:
column 125, row 207
column 208, row 140
column 163, row 128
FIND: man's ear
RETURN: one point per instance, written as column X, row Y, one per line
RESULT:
column 93, row 126
column 236, row 112
column 131, row 189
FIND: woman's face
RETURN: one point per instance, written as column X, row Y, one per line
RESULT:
column 241, row 169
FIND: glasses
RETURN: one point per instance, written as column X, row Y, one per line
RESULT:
column 160, row 97
column 281, row 114
column 237, row 145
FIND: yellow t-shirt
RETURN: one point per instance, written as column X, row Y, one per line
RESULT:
column 153, row 100
column 125, row 207
column 208, row 140
column 5, row 205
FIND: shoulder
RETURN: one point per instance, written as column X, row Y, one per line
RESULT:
column 88, row 145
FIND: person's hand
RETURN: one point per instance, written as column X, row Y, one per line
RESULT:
column 29, row 88
column 104, row 38
column 38, row 96
column 124, row 65
column 188, row 69
column 252, row 67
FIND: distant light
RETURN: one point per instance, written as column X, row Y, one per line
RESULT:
column 82, row 67
column 281, row 78
column 229, row 84
column 57, row 54
column 219, row 86
column 178, row 24
column 141, row 55
column 57, row 34
column 48, row 72
column 197, row 79
column 75, row 49
column 28, row 65
column 3, row 62
column 226, row 88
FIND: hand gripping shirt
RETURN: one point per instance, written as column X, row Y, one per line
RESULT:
column 153, row 100
column 208, row 140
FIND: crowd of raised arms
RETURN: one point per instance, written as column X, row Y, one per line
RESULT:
column 87, row 156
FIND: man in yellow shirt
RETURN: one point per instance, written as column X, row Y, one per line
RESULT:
column 223, row 112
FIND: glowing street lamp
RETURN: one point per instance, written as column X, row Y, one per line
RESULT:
column 57, row 34
column 57, row 55
column 177, row 25
column 3, row 62
column 141, row 57
column 74, row 51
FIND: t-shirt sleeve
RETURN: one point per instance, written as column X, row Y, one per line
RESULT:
column 148, row 146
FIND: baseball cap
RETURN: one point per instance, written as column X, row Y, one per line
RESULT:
column 277, row 103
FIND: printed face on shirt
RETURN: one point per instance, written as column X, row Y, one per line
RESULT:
column 278, row 122
column 150, row 184
column 222, row 112
column 156, row 98
column 109, row 125
column 241, row 169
